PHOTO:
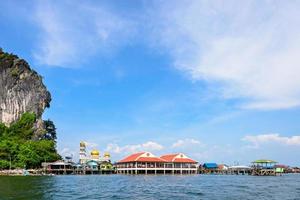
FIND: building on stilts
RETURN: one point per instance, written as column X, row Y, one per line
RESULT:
column 148, row 163
column 264, row 167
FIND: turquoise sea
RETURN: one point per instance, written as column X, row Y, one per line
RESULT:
column 151, row 187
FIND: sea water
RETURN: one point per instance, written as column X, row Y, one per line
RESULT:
column 151, row 187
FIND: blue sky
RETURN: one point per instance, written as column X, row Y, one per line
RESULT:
column 213, row 79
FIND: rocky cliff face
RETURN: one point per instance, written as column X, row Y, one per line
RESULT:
column 21, row 90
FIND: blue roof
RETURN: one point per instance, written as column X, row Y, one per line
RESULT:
column 210, row 165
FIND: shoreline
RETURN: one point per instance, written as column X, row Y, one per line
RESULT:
column 40, row 172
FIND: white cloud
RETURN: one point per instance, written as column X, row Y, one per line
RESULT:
column 72, row 32
column 186, row 143
column 249, row 50
column 67, row 152
column 147, row 146
column 257, row 140
column 91, row 145
column 152, row 145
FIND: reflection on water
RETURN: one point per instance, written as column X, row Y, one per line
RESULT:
column 151, row 187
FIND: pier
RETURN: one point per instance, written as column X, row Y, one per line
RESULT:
column 264, row 168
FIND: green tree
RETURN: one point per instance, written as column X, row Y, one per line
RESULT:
column 3, row 130
column 4, row 164
column 18, row 148
column 23, row 128
column 33, row 153
column 28, row 156
column 50, row 130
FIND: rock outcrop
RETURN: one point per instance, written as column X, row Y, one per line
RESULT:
column 21, row 90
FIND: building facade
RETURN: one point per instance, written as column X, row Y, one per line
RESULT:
column 147, row 163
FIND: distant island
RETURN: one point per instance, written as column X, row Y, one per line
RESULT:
column 25, row 139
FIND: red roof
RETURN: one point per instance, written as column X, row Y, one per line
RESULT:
column 141, row 157
column 132, row 157
column 155, row 159
column 148, row 157
column 168, row 157
column 177, row 158
column 184, row 160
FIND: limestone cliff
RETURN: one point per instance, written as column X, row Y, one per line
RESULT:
column 21, row 90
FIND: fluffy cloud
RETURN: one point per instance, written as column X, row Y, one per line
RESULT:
column 91, row 145
column 67, row 152
column 71, row 32
column 186, row 143
column 257, row 140
column 148, row 146
column 248, row 50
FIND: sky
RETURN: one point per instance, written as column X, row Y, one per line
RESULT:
column 216, row 80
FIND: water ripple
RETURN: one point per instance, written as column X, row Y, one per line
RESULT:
column 151, row 187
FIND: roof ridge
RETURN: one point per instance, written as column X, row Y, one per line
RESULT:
column 141, row 153
column 172, row 154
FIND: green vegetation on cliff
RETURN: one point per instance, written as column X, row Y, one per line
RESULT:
column 19, row 150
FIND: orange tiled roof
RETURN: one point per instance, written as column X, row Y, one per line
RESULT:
column 169, row 157
column 132, row 157
column 174, row 158
column 141, row 157
column 145, row 159
column 184, row 160
column 148, row 157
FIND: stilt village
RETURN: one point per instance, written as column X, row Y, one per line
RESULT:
column 148, row 163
